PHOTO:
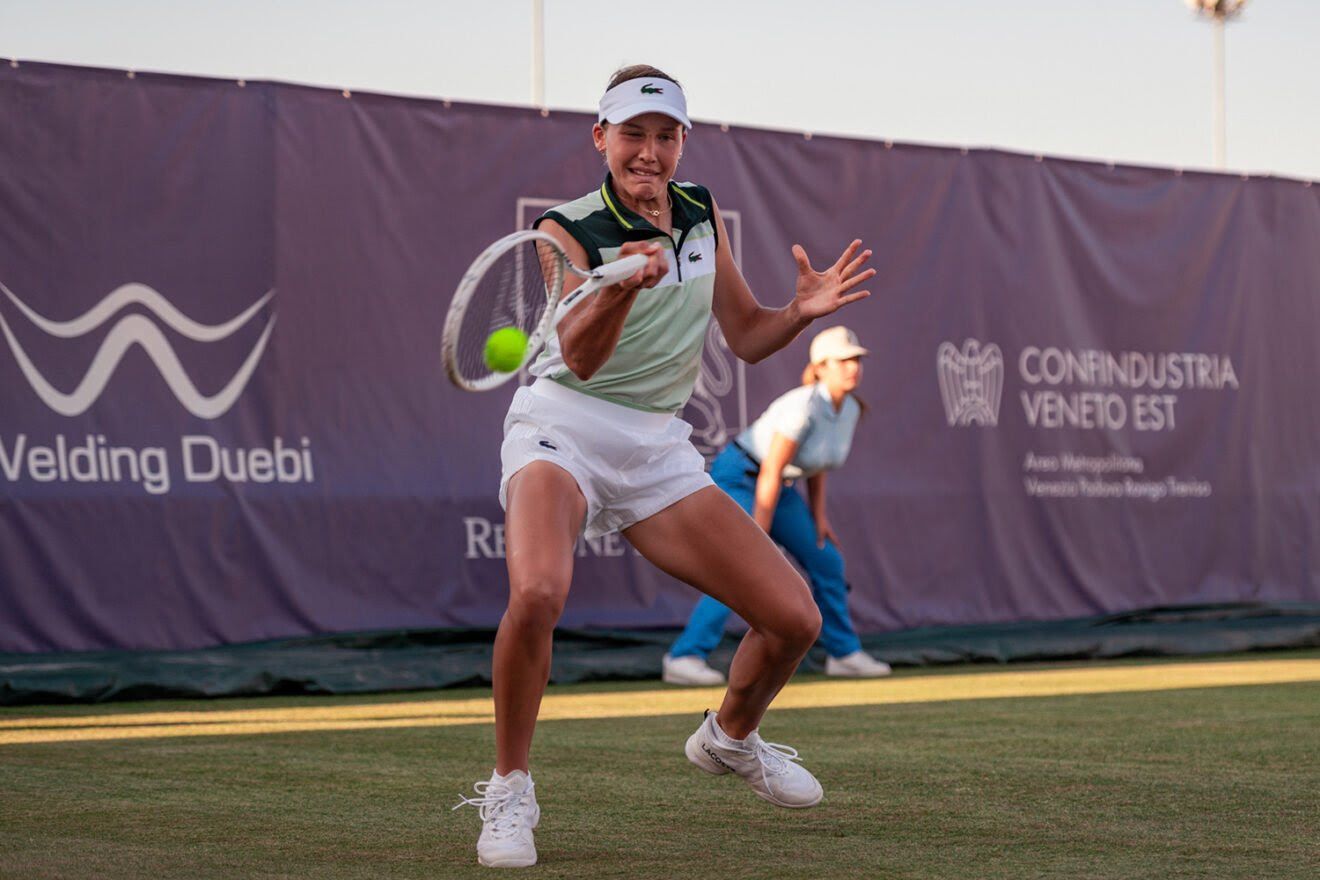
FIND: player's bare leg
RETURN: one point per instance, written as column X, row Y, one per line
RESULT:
column 545, row 514
column 708, row 541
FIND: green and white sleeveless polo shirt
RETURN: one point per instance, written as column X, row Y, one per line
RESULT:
column 658, row 357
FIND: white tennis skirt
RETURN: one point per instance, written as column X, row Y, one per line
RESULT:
column 629, row 464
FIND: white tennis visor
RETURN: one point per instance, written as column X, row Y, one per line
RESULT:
column 637, row 96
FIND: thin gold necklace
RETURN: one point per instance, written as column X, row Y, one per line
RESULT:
column 659, row 212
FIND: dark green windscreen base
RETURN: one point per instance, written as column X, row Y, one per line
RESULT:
column 354, row 663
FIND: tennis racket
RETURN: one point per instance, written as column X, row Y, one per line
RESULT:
column 517, row 283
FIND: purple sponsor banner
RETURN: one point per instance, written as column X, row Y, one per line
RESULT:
column 223, row 418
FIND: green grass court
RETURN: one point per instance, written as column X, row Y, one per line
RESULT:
column 929, row 780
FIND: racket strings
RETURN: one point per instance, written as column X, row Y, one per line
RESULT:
column 512, row 292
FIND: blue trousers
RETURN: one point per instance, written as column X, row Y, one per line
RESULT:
column 794, row 529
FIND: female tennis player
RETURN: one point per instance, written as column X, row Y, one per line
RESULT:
column 594, row 445
column 804, row 433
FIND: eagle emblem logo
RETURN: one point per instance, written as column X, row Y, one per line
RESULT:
column 971, row 382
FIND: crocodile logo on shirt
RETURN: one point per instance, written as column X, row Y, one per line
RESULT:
column 694, row 257
column 652, row 90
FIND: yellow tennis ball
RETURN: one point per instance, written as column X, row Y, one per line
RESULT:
column 505, row 349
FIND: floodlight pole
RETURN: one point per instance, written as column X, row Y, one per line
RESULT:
column 538, row 53
column 1221, row 98
column 1219, row 12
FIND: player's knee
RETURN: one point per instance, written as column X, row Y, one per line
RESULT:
column 811, row 624
column 800, row 626
column 538, row 602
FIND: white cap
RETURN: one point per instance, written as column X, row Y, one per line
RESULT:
column 645, row 95
column 835, row 344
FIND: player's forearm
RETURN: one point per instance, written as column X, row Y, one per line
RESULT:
column 589, row 333
column 766, row 331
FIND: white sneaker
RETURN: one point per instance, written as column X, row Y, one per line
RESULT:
column 768, row 767
column 858, row 664
column 689, row 669
column 508, row 814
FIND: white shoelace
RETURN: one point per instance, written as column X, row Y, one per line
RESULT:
column 499, row 805
column 775, row 757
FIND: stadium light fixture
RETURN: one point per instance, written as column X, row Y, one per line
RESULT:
column 538, row 53
column 1219, row 12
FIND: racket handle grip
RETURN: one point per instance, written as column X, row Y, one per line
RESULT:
column 613, row 273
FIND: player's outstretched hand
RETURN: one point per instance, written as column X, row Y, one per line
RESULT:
column 821, row 293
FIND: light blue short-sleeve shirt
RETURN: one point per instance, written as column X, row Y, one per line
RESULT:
column 805, row 415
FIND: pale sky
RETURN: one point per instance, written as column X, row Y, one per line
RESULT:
column 1122, row 80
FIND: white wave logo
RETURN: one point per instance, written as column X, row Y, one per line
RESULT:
column 971, row 382
column 137, row 330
